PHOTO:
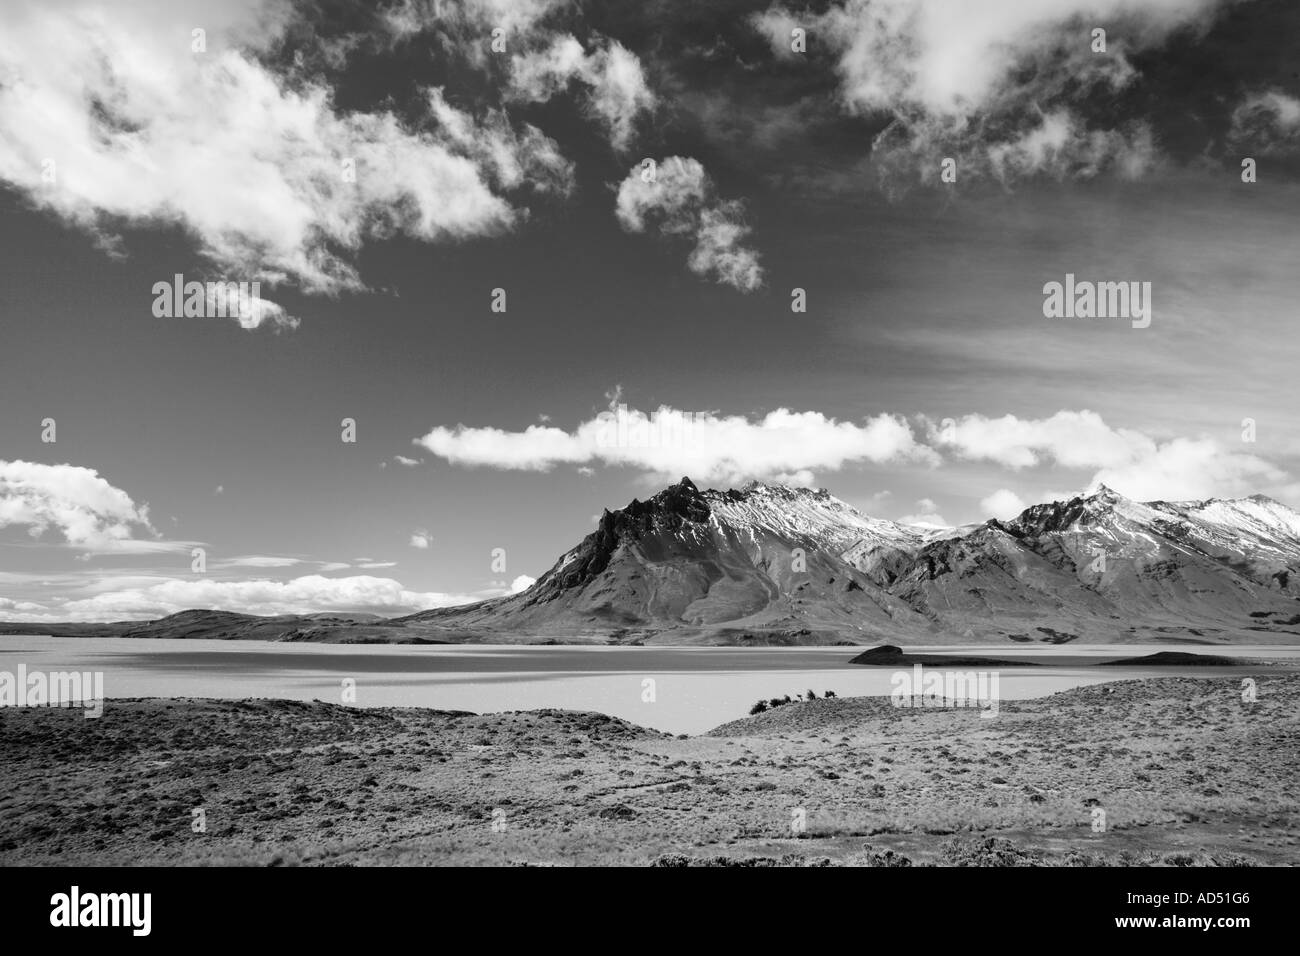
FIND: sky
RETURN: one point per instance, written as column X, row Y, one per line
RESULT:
column 548, row 256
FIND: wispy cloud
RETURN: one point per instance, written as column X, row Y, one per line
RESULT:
column 124, row 117
column 1005, row 88
column 678, row 198
column 617, row 91
column 1266, row 122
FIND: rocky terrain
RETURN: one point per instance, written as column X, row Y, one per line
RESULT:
column 1167, row 771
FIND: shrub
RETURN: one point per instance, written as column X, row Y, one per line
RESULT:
column 758, row 708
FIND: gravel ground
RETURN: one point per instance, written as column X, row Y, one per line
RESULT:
column 1166, row 771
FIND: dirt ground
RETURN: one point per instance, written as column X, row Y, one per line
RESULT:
column 1170, row 771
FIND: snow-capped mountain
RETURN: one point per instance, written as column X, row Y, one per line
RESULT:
column 773, row 564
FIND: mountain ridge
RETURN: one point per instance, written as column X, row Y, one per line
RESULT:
column 774, row 564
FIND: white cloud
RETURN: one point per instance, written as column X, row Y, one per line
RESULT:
column 1071, row 439
column 1129, row 461
column 366, row 564
column 522, row 583
column 517, row 17
column 791, row 447
column 304, row 595
column 16, row 609
column 670, row 443
column 681, row 201
column 973, row 80
column 1061, row 146
column 617, row 92
column 142, row 130
column 1003, row 504
column 421, row 539
column 408, row 462
column 253, row 313
column 260, row 561
column 927, row 514
column 79, row 505
column 1266, row 122
column 1188, row 469
column 334, row 566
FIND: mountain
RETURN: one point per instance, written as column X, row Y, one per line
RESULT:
column 772, row 564
column 710, row 565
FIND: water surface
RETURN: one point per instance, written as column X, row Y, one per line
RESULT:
column 694, row 688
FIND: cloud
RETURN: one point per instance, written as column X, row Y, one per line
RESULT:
column 421, row 539
column 522, row 583
column 518, row 18
column 304, row 595
column 1132, row 462
column 79, row 505
column 617, row 92
column 109, row 119
column 1266, row 122
column 408, row 462
column 1071, row 439
column 680, row 200
column 670, row 443
column 251, row 313
column 1060, row 146
column 927, row 514
column 1006, row 88
column 1190, row 469
column 11, row 608
column 1003, row 504
column 260, row 561
column 790, row 447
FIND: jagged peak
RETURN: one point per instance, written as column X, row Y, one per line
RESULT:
column 756, row 488
column 683, row 499
column 1105, row 493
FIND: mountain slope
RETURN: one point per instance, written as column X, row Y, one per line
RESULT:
column 707, row 565
column 771, row 564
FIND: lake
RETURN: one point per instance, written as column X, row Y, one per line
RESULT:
column 694, row 688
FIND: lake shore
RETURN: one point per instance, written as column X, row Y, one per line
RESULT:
column 1174, row 769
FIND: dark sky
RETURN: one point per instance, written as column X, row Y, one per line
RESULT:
column 479, row 170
